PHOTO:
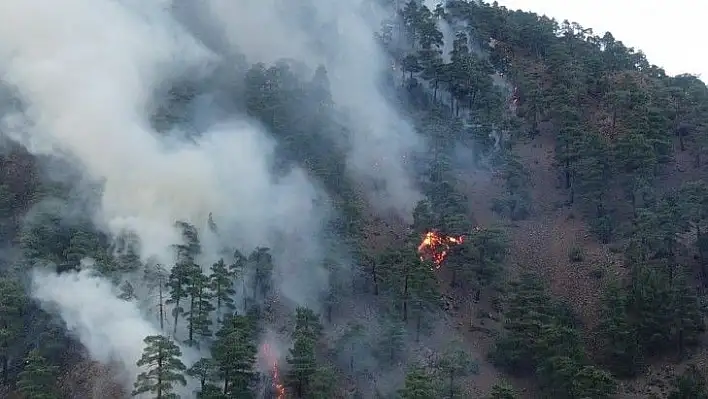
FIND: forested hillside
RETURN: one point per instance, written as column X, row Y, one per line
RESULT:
column 378, row 199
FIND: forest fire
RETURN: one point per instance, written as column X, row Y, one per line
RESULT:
column 278, row 387
column 435, row 246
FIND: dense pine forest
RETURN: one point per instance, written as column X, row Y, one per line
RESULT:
column 472, row 202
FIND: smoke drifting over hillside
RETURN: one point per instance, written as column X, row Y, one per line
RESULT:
column 87, row 82
column 340, row 36
column 86, row 73
column 117, row 323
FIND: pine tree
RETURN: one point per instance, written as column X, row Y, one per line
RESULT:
column 212, row 392
column 691, row 384
column 688, row 322
column 592, row 382
column 456, row 363
column 423, row 293
column 177, row 284
column 205, row 370
column 622, row 351
column 392, row 340
column 222, row 280
column 127, row 249
column 419, row 385
column 651, row 304
column 161, row 357
column 158, row 277
column 503, row 391
column 38, row 379
column 353, row 341
column 307, row 323
column 234, row 352
column 423, row 218
column 529, row 309
column 262, row 261
column 181, row 281
column 302, row 364
column 237, row 269
column 200, row 307
column 323, row 383
column 13, row 303
column 337, row 289
column 301, row 359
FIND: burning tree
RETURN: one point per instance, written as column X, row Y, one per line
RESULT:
column 436, row 246
column 277, row 387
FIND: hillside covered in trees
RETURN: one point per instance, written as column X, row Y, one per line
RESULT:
column 372, row 199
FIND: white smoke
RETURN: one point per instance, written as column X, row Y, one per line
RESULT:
column 447, row 30
column 86, row 71
column 339, row 35
column 86, row 79
column 112, row 332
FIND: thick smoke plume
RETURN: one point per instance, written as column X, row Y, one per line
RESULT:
column 86, row 72
column 340, row 36
column 117, row 322
column 113, row 333
column 87, row 81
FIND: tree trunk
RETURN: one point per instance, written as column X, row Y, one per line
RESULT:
column 417, row 326
column 5, row 369
column 405, row 298
column 701, row 254
column 176, row 318
column 571, row 195
column 245, row 297
column 218, row 293
column 452, row 385
column 634, row 203
column 159, row 375
column 190, row 339
column 255, row 288
column 161, row 307
column 680, row 344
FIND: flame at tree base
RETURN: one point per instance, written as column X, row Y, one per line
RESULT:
column 277, row 385
column 436, row 246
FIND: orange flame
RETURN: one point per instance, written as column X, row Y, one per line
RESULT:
column 436, row 246
column 278, row 385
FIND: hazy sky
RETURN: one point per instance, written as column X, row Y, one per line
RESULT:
column 671, row 33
